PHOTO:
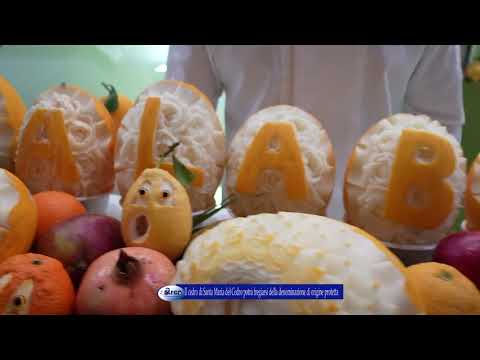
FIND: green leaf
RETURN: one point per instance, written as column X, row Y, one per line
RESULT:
column 181, row 172
column 200, row 218
column 111, row 102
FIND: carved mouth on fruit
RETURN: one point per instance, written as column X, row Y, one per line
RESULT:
column 139, row 228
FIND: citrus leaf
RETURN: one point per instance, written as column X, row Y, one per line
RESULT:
column 181, row 172
column 111, row 102
column 200, row 218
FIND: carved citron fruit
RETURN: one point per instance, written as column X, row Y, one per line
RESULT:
column 18, row 216
column 12, row 111
column 165, row 113
column 281, row 160
column 405, row 180
column 157, row 214
column 293, row 248
column 66, row 144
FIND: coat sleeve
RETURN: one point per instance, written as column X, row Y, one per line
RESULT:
column 191, row 64
column 436, row 87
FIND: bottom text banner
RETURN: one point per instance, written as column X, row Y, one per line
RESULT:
column 251, row 292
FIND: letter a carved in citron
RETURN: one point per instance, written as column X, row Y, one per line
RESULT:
column 418, row 194
column 54, row 147
column 274, row 147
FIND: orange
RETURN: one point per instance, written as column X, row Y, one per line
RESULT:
column 56, row 207
column 442, row 290
column 33, row 284
column 18, row 216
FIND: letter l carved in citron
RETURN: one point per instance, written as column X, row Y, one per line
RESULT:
column 148, row 128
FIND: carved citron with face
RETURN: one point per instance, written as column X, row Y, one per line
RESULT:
column 157, row 214
column 18, row 216
column 34, row 284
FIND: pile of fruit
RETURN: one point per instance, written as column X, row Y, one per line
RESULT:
column 165, row 153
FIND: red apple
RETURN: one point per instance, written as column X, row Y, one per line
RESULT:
column 125, row 282
column 79, row 241
column 462, row 251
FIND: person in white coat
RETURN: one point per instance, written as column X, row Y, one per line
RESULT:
column 348, row 88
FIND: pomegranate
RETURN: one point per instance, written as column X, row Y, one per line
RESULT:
column 125, row 282
column 462, row 251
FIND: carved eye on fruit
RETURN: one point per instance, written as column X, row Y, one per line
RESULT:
column 145, row 188
column 165, row 194
column 19, row 300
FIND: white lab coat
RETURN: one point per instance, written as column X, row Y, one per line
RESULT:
column 348, row 88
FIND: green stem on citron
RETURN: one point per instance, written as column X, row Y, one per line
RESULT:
column 200, row 218
column 111, row 102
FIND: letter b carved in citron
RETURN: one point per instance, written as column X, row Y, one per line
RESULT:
column 418, row 194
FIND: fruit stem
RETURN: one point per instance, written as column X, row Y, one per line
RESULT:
column 127, row 268
column 111, row 102
column 171, row 149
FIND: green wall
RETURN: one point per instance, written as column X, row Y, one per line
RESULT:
column 471, row 131
column 33, row 69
